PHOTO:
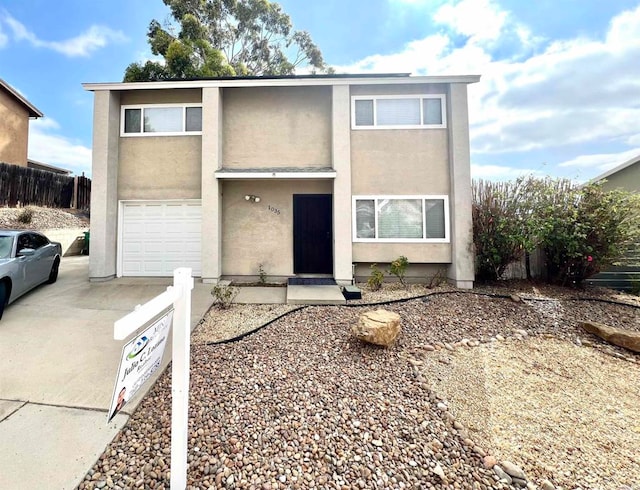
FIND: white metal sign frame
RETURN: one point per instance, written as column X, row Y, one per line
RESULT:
column 178, row 295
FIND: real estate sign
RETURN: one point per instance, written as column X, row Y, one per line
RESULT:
column 141, row 357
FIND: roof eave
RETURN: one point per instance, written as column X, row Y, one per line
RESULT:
column 33, row 111
column 616, row 169
column 280, row 82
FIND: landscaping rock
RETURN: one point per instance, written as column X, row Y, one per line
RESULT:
column 380, row 327
column 439, row 471
column 489, row 461
column 617, row 336
column 502, row 474
column 513, row 470
column 547, row 485
column 519, row 482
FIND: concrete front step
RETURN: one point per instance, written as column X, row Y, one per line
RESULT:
column 315, row 295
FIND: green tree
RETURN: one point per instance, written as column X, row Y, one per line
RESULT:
column 212, row 38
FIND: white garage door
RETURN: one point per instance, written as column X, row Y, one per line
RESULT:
column 159, row 236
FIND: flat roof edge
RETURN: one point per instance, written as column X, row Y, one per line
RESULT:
column 281, row 82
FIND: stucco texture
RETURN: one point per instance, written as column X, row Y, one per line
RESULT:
column 254, row 234
column 399, row 162
column 276, row 127
column 14, row 131
column 172, row 96
column 627, row 179
column 160, row 167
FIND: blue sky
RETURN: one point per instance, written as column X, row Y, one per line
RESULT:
column 559, row 95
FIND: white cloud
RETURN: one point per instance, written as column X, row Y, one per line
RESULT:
column 479, row 19
column 84, row 44
column 46, row 146
column 4, row 39
column 500, row 172
column 603, row 161
column 413, row 58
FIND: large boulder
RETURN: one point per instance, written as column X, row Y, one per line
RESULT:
column 628, row 339
column 380, row 327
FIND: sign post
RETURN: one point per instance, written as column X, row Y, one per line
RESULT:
column 180, row 379
column 178, row 296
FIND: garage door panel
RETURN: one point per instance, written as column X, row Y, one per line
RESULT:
column 158, row 237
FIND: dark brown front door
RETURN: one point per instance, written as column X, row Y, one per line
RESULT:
column 312, row 234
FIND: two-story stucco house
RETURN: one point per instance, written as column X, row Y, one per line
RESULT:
column 15, row 112
column 296, row 175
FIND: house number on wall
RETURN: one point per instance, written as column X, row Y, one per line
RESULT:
column 273, row 210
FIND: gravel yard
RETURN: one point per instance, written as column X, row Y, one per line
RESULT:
column 301, row 404
column 43, row 218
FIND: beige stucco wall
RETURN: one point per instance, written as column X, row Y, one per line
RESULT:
column 276, row 127
column 417, row 88
column 397, row 161
column 400, row 162
column 415, row 252
column 160, row 167
column 174, row 96
column 627, row 179
column 252, row 233
column 14, row 130
column 416, row 273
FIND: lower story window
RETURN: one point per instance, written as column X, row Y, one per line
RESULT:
column 401, row 219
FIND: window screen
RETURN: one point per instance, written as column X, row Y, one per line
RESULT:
column 434, row 211
column 364, row 112
column 194, row 119
column 431, row 111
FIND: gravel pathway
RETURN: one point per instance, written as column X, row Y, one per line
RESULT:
column 300, row 404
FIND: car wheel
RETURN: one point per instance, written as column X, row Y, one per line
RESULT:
column 3, row 297
column 53, row 275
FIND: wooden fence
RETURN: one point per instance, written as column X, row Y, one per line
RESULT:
column 21, row 186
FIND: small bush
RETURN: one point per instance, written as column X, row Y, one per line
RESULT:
column 399, row 268
column 438, row 278
column 224, row 295
column 375, row 280
column 262, row 275
column 25, row 216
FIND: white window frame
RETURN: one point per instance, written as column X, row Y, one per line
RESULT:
column 142, row 108
column 377, row 198
column 375, row 98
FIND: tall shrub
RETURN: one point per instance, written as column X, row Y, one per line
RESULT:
column 499, row 226
column 582, row 229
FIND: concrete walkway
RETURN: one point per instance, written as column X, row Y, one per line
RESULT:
column 58, row 363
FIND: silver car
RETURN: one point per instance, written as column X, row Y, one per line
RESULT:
column 27, row 259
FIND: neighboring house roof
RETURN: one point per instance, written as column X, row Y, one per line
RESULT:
column 285, row 81
column 617, row 169
column 47, row 167
column 33, row 111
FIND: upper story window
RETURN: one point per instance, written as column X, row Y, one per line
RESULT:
column 401, row 219
column 398, row 112
column 161, row 120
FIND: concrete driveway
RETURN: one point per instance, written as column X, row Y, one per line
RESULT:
column 58, row 363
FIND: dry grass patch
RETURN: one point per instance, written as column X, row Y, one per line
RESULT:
column 563, row 412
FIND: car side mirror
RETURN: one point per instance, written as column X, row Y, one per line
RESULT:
column 26, row 252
